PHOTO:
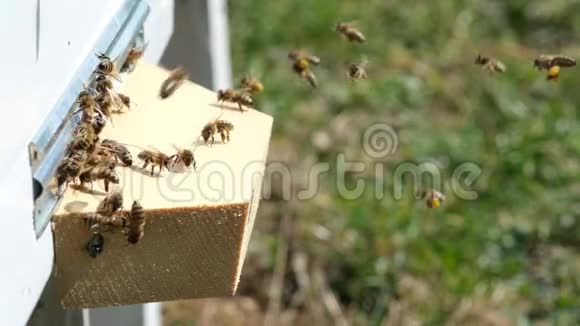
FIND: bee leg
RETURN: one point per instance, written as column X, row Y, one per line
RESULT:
column 240, row 107
column 228, row 136
column 152, row 169
column 106, row 185
column 223, row 136
column 145, row 165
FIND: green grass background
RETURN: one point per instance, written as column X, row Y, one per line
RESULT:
column 516, row 249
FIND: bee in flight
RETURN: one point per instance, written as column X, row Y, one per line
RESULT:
column 155, row 158
column 433, row 198
column 240, row 97
column 553, row 63
column 172, row 83
column 301, row 65
column 491, row 65
column 349, row 30
column 212, row 128
column 358, row 71
column 252, row 84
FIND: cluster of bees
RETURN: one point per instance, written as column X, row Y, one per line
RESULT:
column 92, row 159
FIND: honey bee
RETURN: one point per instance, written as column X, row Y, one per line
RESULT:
column 214, row 127
column 69, row 168
column 252, row 84
column 119, row 150
column 349, row 30
column 108, row 97
column 132, row 57
column 185, row 156
column 553, row 63
column 155, row 158
column 126, row 100
column 100, row 223
column 433, row 198
column 491, row 65
column 95, row 245
column 111, row 203
column 172, row 83
column 358, row 71
column 304, row 58
column 107, row 67
column 84, row 138
column 240, row 97
column 136, row 223
column 98, row 122
column 301, row 66
column 99, row 172
column 87, row 105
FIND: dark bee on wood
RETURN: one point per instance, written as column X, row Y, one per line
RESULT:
column 240, row 97
column 184, row 156
column 95, row 245
column 119, row 150
column 110, row 204
column 105, row 173
column 350, row 32
column 212, row 128
column 136, row 223
column 99, row 223
column 155, row 158
column 172, row 83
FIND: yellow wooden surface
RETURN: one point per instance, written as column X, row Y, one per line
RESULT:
column 198, row 223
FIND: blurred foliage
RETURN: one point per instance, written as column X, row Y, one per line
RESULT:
column 512, row 255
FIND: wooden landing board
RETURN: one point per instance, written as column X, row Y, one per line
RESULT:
column 198, row 223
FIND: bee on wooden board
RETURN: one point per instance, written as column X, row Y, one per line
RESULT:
column 111, row 203
column 119, row 150
column 95, row 245
column 84, row 138
column 489, row 64
column 240, row 97
column 99, row 172
column 108, row 97
column 214, row 127
column 99, row 223
column 107, row 67
column 301, row 63
column 132, row 57
column 358, row 71
column 252, row 84
column 136, row 226
column 349, row 31
column 69, row 168
column 553, row 63
column 433, row 198
column 155, row 158
column 184, row 156
column 172, row 83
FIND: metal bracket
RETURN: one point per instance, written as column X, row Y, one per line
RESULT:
column 49, row 144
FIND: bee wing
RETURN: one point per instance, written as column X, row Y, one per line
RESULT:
column 500, row 66
column 564, row 61
column 117, row 101
column 313, row 59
